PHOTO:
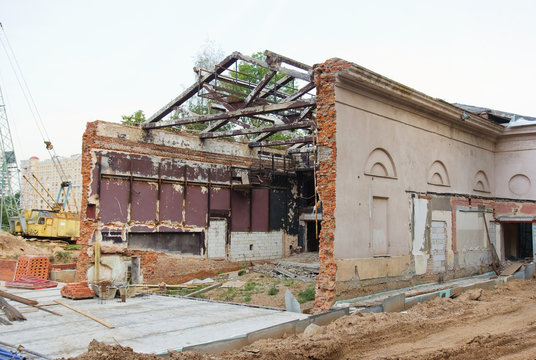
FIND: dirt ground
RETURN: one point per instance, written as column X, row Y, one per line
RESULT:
column 500, row 324
column 11, row 247
column 259, row 289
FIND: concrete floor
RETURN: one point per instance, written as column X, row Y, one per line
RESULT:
column 148, row 324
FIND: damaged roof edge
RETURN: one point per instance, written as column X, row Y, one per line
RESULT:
column 360, row 77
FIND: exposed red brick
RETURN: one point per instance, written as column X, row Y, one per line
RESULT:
column 325, row 75
column 149, row 260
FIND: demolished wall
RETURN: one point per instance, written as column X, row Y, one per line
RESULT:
column 156, row 194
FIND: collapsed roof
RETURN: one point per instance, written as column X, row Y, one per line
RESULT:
column 276, row 98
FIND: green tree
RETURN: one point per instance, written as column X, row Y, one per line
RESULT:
column 135, row 119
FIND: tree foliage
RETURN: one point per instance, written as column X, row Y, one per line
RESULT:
column 136, row 118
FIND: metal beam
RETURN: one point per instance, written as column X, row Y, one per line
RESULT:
column 281, row 69
column 192, row 90
column 258, row 130
column 304, row 139
column 304, row 90
column 255, row 92
column 254, row 110
column 286, row 60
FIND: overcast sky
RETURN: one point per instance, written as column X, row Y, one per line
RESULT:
column 89, row 60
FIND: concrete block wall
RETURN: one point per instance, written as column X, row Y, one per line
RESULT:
column 216, row 235
column 247, row 246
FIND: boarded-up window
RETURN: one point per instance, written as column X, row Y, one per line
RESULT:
column 219, row 198
column 144, row 196
column 196, row 205
column 379, row 226
column 171, row 198
column 259, row 209
column 114, row 200
column 240, row 210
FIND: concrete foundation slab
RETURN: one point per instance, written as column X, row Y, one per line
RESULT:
column 148, row 324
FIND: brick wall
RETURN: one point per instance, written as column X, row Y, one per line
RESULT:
column 247, row 246
column 101, row 137
column 325, row 74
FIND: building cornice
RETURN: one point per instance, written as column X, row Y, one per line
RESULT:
column 359, row 78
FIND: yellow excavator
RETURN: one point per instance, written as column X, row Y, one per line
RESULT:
column 53, row 223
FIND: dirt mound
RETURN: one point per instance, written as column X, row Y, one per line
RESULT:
column 14, row 246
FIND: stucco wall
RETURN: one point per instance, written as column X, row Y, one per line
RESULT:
column 515, row 170
column 412, row 149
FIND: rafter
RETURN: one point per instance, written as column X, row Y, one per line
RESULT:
column 258, row 130
column 253, row 110
column 192, row 90
column 303, row 139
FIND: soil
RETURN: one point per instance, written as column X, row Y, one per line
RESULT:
column 263, row 290
column 11, row 247
column 493, row 324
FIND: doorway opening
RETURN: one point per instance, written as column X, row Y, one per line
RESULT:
column 311, row 243
column 517, row 241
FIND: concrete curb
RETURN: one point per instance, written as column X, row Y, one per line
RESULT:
column 293, row 327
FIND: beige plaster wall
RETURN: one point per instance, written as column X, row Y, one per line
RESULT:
column 515, row 164
column 413, row 142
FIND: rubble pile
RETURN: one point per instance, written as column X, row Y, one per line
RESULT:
column 306, row 272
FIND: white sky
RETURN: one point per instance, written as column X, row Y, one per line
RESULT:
column 88, row 60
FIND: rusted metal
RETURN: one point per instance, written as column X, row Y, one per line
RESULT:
column 303, row 139
column 274, row 128
column 258, row 98
column 192, row 90
column 253, row 110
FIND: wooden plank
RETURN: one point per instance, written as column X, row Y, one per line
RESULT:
column 510, row 270
column 208, row 288
column 253, row 110
column 23, row 311
column 16, row 298
column 495, row 262
column 10, row 311
column 94, row 318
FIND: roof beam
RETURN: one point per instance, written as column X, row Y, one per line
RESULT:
column 287, row 60
column 255, row 92
column 192, row 90
column 303, row 139
column 296, row 74
column 253, row 110
column 258, row 130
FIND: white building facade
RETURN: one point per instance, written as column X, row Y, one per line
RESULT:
column 48, row 175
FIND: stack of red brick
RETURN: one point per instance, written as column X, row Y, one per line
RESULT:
column 78, row 290
column 32, row 265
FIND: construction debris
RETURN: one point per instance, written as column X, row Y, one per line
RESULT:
column 100, row 321
column 294, row 270
column 11, row 312
column 17, row 298
column 79, row 290
column 31, row 282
